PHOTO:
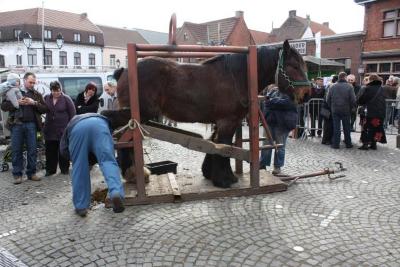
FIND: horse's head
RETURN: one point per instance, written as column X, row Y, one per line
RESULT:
column 290, row 74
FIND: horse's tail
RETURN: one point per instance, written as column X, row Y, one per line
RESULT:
column 117, row 73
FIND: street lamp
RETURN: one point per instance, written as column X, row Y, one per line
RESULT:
column 27, row 38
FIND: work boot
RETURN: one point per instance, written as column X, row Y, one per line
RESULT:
column 118, row 205
column 372, row 146
column 276, row 170
column 17, row 179
column 363, row 147
column 81, row 212
column 34, row 178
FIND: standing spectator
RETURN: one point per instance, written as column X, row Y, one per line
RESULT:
column 281, row 116
column 87, row 101
column 373, row 98
column 341, row 100
column 32, row 106
column 317, row 91
column 109, row 101
column 390, row 90
column 351, row 79
column 91, row 134
column 327, row 132
column 397, row 79
column 60, row 111
column 11, row 92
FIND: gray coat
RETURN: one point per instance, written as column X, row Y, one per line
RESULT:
column 341, row 98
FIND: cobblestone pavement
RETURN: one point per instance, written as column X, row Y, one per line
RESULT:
column 352, row 221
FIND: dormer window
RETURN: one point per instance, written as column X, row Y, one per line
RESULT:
column 185, row 36
column 92, row 39
column 77, row 37
column 47, row 34
column 17, row 34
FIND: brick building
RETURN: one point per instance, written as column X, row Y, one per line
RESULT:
column 229, row 31
column 381, row 48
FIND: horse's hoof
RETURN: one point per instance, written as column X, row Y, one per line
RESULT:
column 222, row 183
column 234, row 179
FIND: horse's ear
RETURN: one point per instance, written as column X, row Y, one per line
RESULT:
column 117, row 73
column 286, row 47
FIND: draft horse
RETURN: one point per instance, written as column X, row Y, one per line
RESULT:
column 213, row 91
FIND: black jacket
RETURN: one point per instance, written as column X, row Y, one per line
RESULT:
column 374, row 98
column 90, row 107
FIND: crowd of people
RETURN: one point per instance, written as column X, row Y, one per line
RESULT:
column 333, row 109
column 72, row 130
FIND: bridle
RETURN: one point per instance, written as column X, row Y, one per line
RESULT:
column 291, row 83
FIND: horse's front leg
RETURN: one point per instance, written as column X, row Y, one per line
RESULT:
column 221, row 172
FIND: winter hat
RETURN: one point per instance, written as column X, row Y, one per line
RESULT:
column 12, row 79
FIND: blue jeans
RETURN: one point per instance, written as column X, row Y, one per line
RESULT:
column 92, row 135
column 280, row 137
column 23, row 134
column 345, row 119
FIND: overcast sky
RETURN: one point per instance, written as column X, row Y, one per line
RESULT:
column 342, row 15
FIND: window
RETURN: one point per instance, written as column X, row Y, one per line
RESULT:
column 92, row 39
column 0, row 34
column 372, row 68
column 32, row 57
column 92, row 60
column 48, row 58
column 77, row 37
column 77, row 60
column 112, row 60
column 63, row 59
column 384, row 67
column 18, row 34
column 391, row 23
column 126, row 61
column 47, row 34
column 396, row 67
column 72, row 86
column 19, row 60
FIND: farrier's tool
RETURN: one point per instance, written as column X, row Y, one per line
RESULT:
column 326, row 171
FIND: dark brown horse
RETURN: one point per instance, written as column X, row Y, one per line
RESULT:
column 214, row 91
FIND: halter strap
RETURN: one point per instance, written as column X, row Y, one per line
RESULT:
column 291, row 83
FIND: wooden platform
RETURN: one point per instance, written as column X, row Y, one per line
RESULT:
column 169, row 188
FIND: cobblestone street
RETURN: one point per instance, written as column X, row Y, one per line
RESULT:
column 352, row 221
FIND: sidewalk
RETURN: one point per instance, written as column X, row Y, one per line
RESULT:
column 352, row 221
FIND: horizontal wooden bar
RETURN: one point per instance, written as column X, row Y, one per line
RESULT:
column 191, row 48
column 271, row 146
column 197, row 144
column 177, row 54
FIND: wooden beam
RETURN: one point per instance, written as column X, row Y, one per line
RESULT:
column 198, row 144
column 174, row 184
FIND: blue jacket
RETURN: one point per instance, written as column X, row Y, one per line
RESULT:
column 65, row 137
column 280, row 111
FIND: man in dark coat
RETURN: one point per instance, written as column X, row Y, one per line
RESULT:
column 341, row 100
column 32, row 106
column 351, row 79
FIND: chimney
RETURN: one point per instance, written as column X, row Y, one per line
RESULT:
column 326, row 24
column 308, row 17
column 239, row 14
column 292, row 13
column 84, row 15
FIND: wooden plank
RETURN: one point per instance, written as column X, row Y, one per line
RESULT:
column 198, row 144
column 174, row 184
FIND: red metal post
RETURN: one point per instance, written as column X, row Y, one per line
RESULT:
column 252, row 81
column 135, row 114
column 239, row 143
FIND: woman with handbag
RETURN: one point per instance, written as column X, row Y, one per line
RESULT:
column 374, row 100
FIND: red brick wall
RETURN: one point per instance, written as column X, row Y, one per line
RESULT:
column 340, row 48
column 240, row 35
column 374, row 27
